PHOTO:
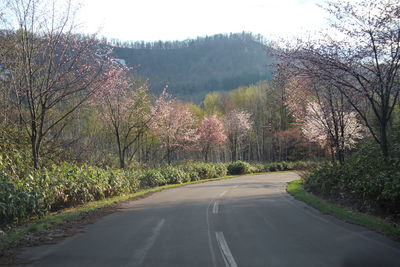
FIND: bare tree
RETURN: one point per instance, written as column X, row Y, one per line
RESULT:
column 53, row 71
column 360, row 57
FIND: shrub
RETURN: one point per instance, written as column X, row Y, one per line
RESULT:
column 152, row 178
column 257, row 167
column 34, row 193
column 60, row 187
column 369, row 181
column 238, row 167
column 220, row 169
column 174, row 175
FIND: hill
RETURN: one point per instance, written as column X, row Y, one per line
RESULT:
column 192, row 68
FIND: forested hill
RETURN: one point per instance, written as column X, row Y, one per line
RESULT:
column 192, row 68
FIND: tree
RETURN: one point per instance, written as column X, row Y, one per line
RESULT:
column 53, row 71
column 173, row 124
column 237, row 125
column 210, row 134
column 124, row 104
column 326, row 117
column 331, row 129
column 360, row 57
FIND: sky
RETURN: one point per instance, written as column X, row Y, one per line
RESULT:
column 152, row 20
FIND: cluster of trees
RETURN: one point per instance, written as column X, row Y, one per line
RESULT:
column 349, row 79
column 199, row 41
column 69, row 96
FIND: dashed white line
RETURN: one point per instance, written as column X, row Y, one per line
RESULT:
column 210, row 243
column 140, row 254
column 225, row 251
column 223, row 193
column 215, row 207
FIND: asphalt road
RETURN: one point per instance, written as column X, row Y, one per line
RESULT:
column 245, row 221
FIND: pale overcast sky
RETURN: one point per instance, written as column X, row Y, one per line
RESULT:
column 151, row 20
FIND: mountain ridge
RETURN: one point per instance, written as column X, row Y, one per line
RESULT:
column 195, row 67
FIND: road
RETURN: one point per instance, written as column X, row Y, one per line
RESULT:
column 244, row 221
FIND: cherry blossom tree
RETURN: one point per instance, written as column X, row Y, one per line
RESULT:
column 210, row 134
column 324, row 127
column 325, row 116
column 123, row 103
column 360, row 56
column 237, row 125
column 53, row 71
column 173, row 124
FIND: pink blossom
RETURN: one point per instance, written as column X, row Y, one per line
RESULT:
column 210, row 133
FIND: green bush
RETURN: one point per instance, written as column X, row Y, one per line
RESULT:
column 59, row 187
column 257, row 167
column 34, row 193
column 220, row 169
column 152, row 178
column 200, row 170
column 238, row 167
column 174, row 175
column 365, row 178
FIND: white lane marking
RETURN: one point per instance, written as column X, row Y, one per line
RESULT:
column 226, row 253
column 210, row 245
column 215, row 207
column 140, row 254
column 236, row 186
column 223, row 193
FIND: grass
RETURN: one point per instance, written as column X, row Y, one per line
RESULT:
column 296, row 189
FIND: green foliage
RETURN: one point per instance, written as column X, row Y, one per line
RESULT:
column 296, row 189
column 195, row 67
column 174, row 175
column 152, row 178
column 59, row 187
column 257, row 167
column 239, row 167
column 15, row 153
column 201, row 171
column 290, row 165
column 220, row 169
column 365, row 178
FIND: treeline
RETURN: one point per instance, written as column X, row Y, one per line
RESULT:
column 192, row 68
column 199, row 41
column 69, row 99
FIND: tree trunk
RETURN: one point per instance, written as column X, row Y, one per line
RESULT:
column 121, row 152
column 35, row 155
column 384, row 140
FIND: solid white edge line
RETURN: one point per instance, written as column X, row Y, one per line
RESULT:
column 226, row 253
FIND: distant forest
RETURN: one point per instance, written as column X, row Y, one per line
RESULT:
column 195, row 67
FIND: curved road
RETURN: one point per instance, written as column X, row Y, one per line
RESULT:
column 245, row 221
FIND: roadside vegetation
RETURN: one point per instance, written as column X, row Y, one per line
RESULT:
column 32, row 195
column 365, row 182
column 78, row 125
column 344, row 212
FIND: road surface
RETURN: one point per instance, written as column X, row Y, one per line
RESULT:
column 245, row 221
